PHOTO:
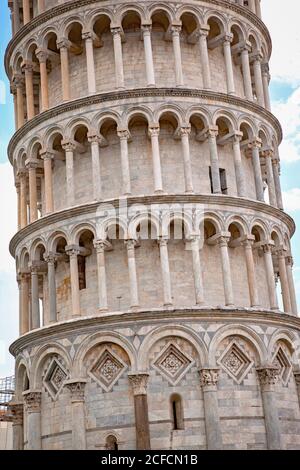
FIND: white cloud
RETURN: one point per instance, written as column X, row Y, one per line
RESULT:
column 8, row 214
column 292, row 200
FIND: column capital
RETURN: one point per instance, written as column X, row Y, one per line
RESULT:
column 256, row 143
column 87, row 35
column 212, row 131
column 280, row 252
column 130, row 244
column 93, row 137
column 101, row 245
column 227, row 38
column 175, row 29
column 257, row 56
column 73, row 250
column 116, row 30
column 268, row 246
column 267, row 375
column 17, row 412
column 31, row 164
column 268, row 153
column 138, row 382
column 153, row 130
column 77, row 389
column 209, row 377
column 68, row 145
column 237, row 136
column 27, row 65
column 42, row 55
column 24, row 275
column 32, row 400
column 46, row 154
column 50, row 257
column 123, row 134
column 290, row 262
column 245, row 46
column 265, row 69
column 163, row 241
column 63, row 43
column 223, row 240
column 146, row 28
column 18, row 80
column 185, row 130
column 248, row 241
column 204, row 30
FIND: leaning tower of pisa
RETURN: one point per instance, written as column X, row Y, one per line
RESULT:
column 157, row 303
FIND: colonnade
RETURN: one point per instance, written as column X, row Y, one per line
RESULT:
column 22, row 84
column 27, row 176
column 29, row 279
column 209, row 377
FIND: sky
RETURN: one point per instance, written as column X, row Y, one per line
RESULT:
column 285, row 96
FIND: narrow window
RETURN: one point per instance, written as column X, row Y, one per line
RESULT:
column 223, row 181
column 111, row 443
column 81, row 272
column 177, row 412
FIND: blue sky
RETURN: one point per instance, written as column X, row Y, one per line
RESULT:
column 285, row 94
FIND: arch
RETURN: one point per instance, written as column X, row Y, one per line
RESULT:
column 55, row 237
column 111, row 442
column 51, row 134
column 237, row 330
column 137, row 112
column 35, row 248
column 227, row 117
column 171, row 110
column 32, row 147
column 140, row 219
column 240, row 222
column 291, row 341
column 94, row 15
column 135, row 8
column 248, row 128
column 157, row 8
column 75, row 124
column 276, row 236
column 211, row 217
column 203, row 114
column 24, row 258
column 42, row 355
column 264, row 135
column 100, row 118
column 171, row 217
column 189, row 10
column 171, row 330
column 21, row 373
column 259, row 229
column 68, row 23
column 100, row 338
column 104, row 226
column 238, row 31
column 212, row 16
column 29, row 48
column 78, row 231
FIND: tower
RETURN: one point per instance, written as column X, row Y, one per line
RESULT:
column 151, row 230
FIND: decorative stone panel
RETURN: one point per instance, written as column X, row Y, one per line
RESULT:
column 282, row 362
column 107, row 369
column 173, row 364
column 235, row 362
column 55, row 377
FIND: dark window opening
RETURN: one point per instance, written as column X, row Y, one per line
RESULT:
column 111, row 443
column 177, row 412
column 81, row 272
column 223, row 181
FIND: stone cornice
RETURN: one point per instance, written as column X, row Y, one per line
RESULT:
column 68, row 6
column 106, row 321
column 223, row 200
column 208, row 96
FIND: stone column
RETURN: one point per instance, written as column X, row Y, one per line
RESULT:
column 100, row 246
column 259, row 88
column 51, row 259
column 197, row 271
column 154, row 133
column 73, row 253
column 239, row 173
column 63, row 47
column 28, row 69
column 284, row 281
column 226, row 271
column 139, row 382
column 48, row 158
column 13, row 91
column 271, row 185
column 175, row 29
column 41, row 6
column 165, row 270
column 90, row 62
column 134, row 297
column 97, row 186
column 116, row 32
column 256, row 146
column 258, row 8
column 32, row 166
column 35, row 305
column 77, row 388
column 17, row 412
column 277, row 184
column 246, row 71
column 146, row 30
column 26, row 11
column 267, row 248
column 32, row 399
column 18, row 188
column 69, row 148
column 214, row 159
column 252, row 283
column 16, row 13
column 289, row 269
column 188, row 178
column 228, row 63
column 123, row 135
column 20, row 100
column 268, row 377
column 209, row 379
column 24, row 302
column 23, row 197
column 266, row 80
column 42, row 57
column 205, row 67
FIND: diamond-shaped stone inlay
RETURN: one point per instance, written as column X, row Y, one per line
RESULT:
column 235, row 362
column 281, row 361
column 107, row 369
column 54, row 378
column 172, row 363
